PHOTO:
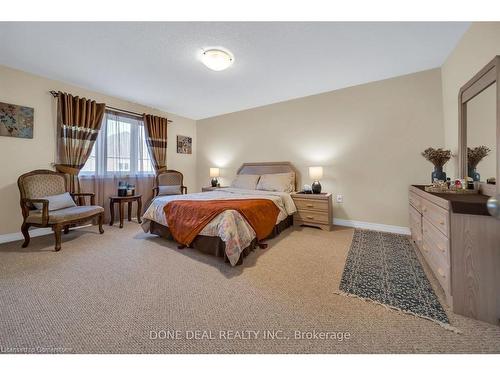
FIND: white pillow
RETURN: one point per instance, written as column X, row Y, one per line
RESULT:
column 245, row 181
column 169, row 190
column 57, row 202
column 284, row 182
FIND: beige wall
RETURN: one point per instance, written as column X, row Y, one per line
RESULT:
column 477, row 47
column 22, row 155
column 368, row 138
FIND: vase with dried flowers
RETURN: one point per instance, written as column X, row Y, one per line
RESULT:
column 438, row 157
column 474, row 156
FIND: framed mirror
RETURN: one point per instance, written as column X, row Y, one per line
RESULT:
column 479, row 128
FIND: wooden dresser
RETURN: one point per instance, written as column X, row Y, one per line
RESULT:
column 461, row 244
column 430, row 229
column 313, row 210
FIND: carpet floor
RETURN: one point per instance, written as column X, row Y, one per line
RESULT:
column 130, row 292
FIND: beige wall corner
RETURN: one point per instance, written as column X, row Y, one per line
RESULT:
column 477, row 47
column 19, row 155
column 368, row 138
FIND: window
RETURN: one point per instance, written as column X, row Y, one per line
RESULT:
column 120, row 148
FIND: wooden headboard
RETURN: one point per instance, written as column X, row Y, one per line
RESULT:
column 268, row 168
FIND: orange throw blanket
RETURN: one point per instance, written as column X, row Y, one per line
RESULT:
column 187, row 218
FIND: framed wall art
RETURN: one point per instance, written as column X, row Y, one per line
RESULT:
column 184, row 144
column 16, row 121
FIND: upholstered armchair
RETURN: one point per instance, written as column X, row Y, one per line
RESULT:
column 169, row 182
column 46, row 202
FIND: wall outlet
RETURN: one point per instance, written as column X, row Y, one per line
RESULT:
column 339, row 198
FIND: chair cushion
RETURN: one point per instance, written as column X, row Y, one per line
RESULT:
column 170, row 178
column 57, row 202
column 43, row 185
column 169, row 190
column 65, row 214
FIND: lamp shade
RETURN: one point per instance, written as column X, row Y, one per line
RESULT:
column 316, row 173
column 214, row 172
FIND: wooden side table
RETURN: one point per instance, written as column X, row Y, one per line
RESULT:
column 313, row 210
column 121, row 201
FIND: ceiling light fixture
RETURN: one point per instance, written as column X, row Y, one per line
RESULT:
column 217, row 59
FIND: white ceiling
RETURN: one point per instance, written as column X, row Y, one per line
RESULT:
column 156, row 64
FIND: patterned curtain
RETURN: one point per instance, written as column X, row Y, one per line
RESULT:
column 78, row 123
column 156, row 139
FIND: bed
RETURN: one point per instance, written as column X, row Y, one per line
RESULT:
column 229, row 235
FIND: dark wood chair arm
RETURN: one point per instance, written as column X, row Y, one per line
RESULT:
column 83, row 195
column 184, row 189
column 27, row 203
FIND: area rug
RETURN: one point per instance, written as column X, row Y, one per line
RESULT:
column 384, row 268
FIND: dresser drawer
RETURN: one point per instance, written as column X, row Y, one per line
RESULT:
column 415, row 225
column 312, row 216
column 443, row 276
column 440, row 268
column 425, row 249
column 311, row 204
column 436, row 215
column 438, row 243
column 415, row 201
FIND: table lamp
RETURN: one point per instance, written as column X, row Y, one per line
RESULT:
column 316, row 173
column 214, row 173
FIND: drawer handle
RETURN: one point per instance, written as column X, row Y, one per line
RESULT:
column 425, row 248
column 441, row 273
column 441, row 222
column 310, row 205
column 310, row 217
column 441, row 248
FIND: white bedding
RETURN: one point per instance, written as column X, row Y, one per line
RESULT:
column 229, row 225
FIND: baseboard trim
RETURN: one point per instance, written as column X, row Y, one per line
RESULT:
column 10, row 237
column 372, row 226
column 18, row 236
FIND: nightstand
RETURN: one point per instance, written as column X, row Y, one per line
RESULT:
column 313, row 210
column 211, row 188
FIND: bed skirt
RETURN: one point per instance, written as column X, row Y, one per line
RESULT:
column 214, row 245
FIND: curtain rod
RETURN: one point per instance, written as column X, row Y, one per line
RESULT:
column 55, row 94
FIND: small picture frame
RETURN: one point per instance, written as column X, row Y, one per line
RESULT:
column 184, row 144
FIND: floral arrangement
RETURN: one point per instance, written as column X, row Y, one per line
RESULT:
column 438, row 156
column 476, row 154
